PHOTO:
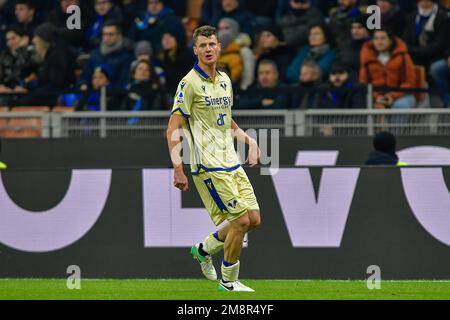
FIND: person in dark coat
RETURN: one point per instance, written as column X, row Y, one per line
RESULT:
column 340, row 92
column 426, row 33
column 145, row 92
column 59, row 16
column 306, row 89
column 26, row 17
column 174, row 58
column 151, row 26
column 233, row 9
column 91, row 99
column 350, row 54
column 295, row 23
column 105, row 10
column 392, row 16
column 53, row 68
column 385, row 150
column 270, row 45
column 265, row 94
column 14, row 60
column 341, row 19
column 116, row 52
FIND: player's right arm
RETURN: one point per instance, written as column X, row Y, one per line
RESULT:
column 180, row 112
column 173, row 135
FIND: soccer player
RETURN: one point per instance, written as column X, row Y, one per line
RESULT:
column 202, row 108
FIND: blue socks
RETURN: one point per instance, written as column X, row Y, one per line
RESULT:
column 227, row 264
column 216, row 235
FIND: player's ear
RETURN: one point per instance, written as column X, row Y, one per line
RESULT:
column 195, row 50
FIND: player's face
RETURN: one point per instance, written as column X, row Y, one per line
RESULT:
column 207, row 49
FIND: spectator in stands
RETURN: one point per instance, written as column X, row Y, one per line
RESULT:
column 385, row 62
column 295, row 23
column 156, row 20
column 115, row 51
column 233, row 9
column 53, row 69
column 26, row 16
column 105, row 10
column 144, row 51
column 230, row 60
column 229, row 28
column 264, row 94
column 440, row 71
column 58, row 16
column 13, row 61
column 340, row 92
column 350, row 53
column 144, row 91
column 91, row 99
column 392, row 17
column 385, row 146
column 210, row 10
column 131, row 10
column 270, row 45
column 320, row 51
column 341, row 19
column 426, row 32
column 175, row 59
column 264, row 12
column 310, row 79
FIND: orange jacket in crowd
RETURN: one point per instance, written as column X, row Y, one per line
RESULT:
column 231, row 60
column 398, row 72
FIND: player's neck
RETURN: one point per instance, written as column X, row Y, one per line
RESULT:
column 210, row 70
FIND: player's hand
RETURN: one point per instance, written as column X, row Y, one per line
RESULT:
column 180, row 179
column 254, row 153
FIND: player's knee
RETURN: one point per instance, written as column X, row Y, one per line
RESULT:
column 243, row 223
column 255, row 222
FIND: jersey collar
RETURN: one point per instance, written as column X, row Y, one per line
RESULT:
column 202, row 73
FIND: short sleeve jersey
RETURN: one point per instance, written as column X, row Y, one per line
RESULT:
column 206, row 105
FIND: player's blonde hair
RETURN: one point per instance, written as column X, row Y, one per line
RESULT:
column 205, row 31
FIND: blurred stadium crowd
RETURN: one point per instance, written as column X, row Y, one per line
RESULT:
column 280, row 54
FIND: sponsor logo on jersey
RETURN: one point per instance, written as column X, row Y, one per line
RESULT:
column 217, row 101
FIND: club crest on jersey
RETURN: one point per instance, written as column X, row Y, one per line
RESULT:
column 223, row 85
column 232, row 203
column 180, row 97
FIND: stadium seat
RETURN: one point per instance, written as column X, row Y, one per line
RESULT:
column 25, row 127
column 60, row 109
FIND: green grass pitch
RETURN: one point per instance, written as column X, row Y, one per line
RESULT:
column 56, row 289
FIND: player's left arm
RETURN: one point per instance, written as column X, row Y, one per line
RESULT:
column 254, row 152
